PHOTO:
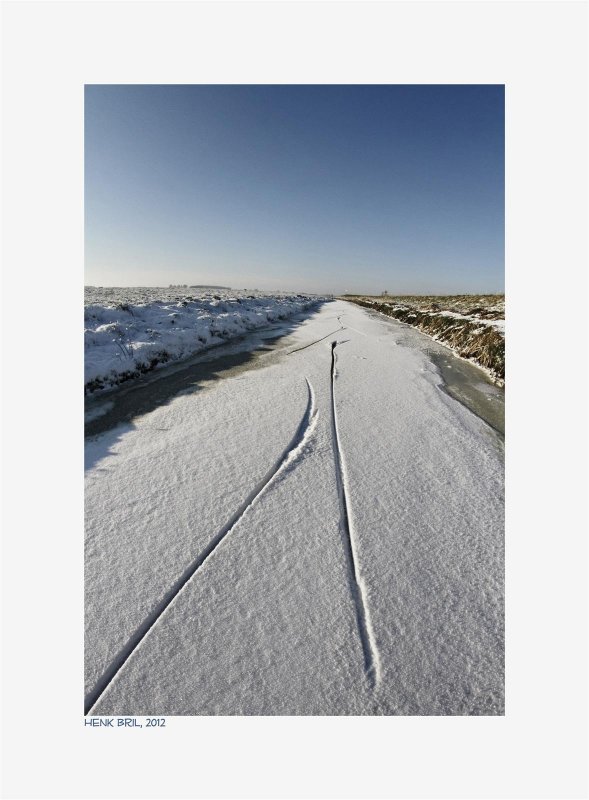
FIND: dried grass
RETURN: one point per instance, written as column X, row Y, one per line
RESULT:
column 470, row 339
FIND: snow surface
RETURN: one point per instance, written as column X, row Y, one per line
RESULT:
column 122, row 339
column 341, row 564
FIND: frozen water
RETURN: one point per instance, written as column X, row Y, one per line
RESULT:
column 364, row 579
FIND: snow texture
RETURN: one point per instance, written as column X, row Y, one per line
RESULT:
column 337, row 520
column 123, row 340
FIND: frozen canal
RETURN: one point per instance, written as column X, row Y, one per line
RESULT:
column 320, row 534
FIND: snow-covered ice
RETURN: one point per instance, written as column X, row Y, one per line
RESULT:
column 332, row 564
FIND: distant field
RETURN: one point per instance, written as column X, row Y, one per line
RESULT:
column 472, row 325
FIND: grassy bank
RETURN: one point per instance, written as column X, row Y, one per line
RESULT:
column 472, row 325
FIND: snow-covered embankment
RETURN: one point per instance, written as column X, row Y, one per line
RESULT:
column 123, row 341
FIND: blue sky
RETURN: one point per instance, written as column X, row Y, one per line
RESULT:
column 310, row 188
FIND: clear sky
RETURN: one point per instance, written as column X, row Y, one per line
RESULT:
column 310, row 188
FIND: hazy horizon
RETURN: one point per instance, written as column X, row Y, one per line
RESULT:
column 325, row 189
column 293, row 290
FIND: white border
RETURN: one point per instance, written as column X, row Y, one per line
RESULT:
column 539, row 51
